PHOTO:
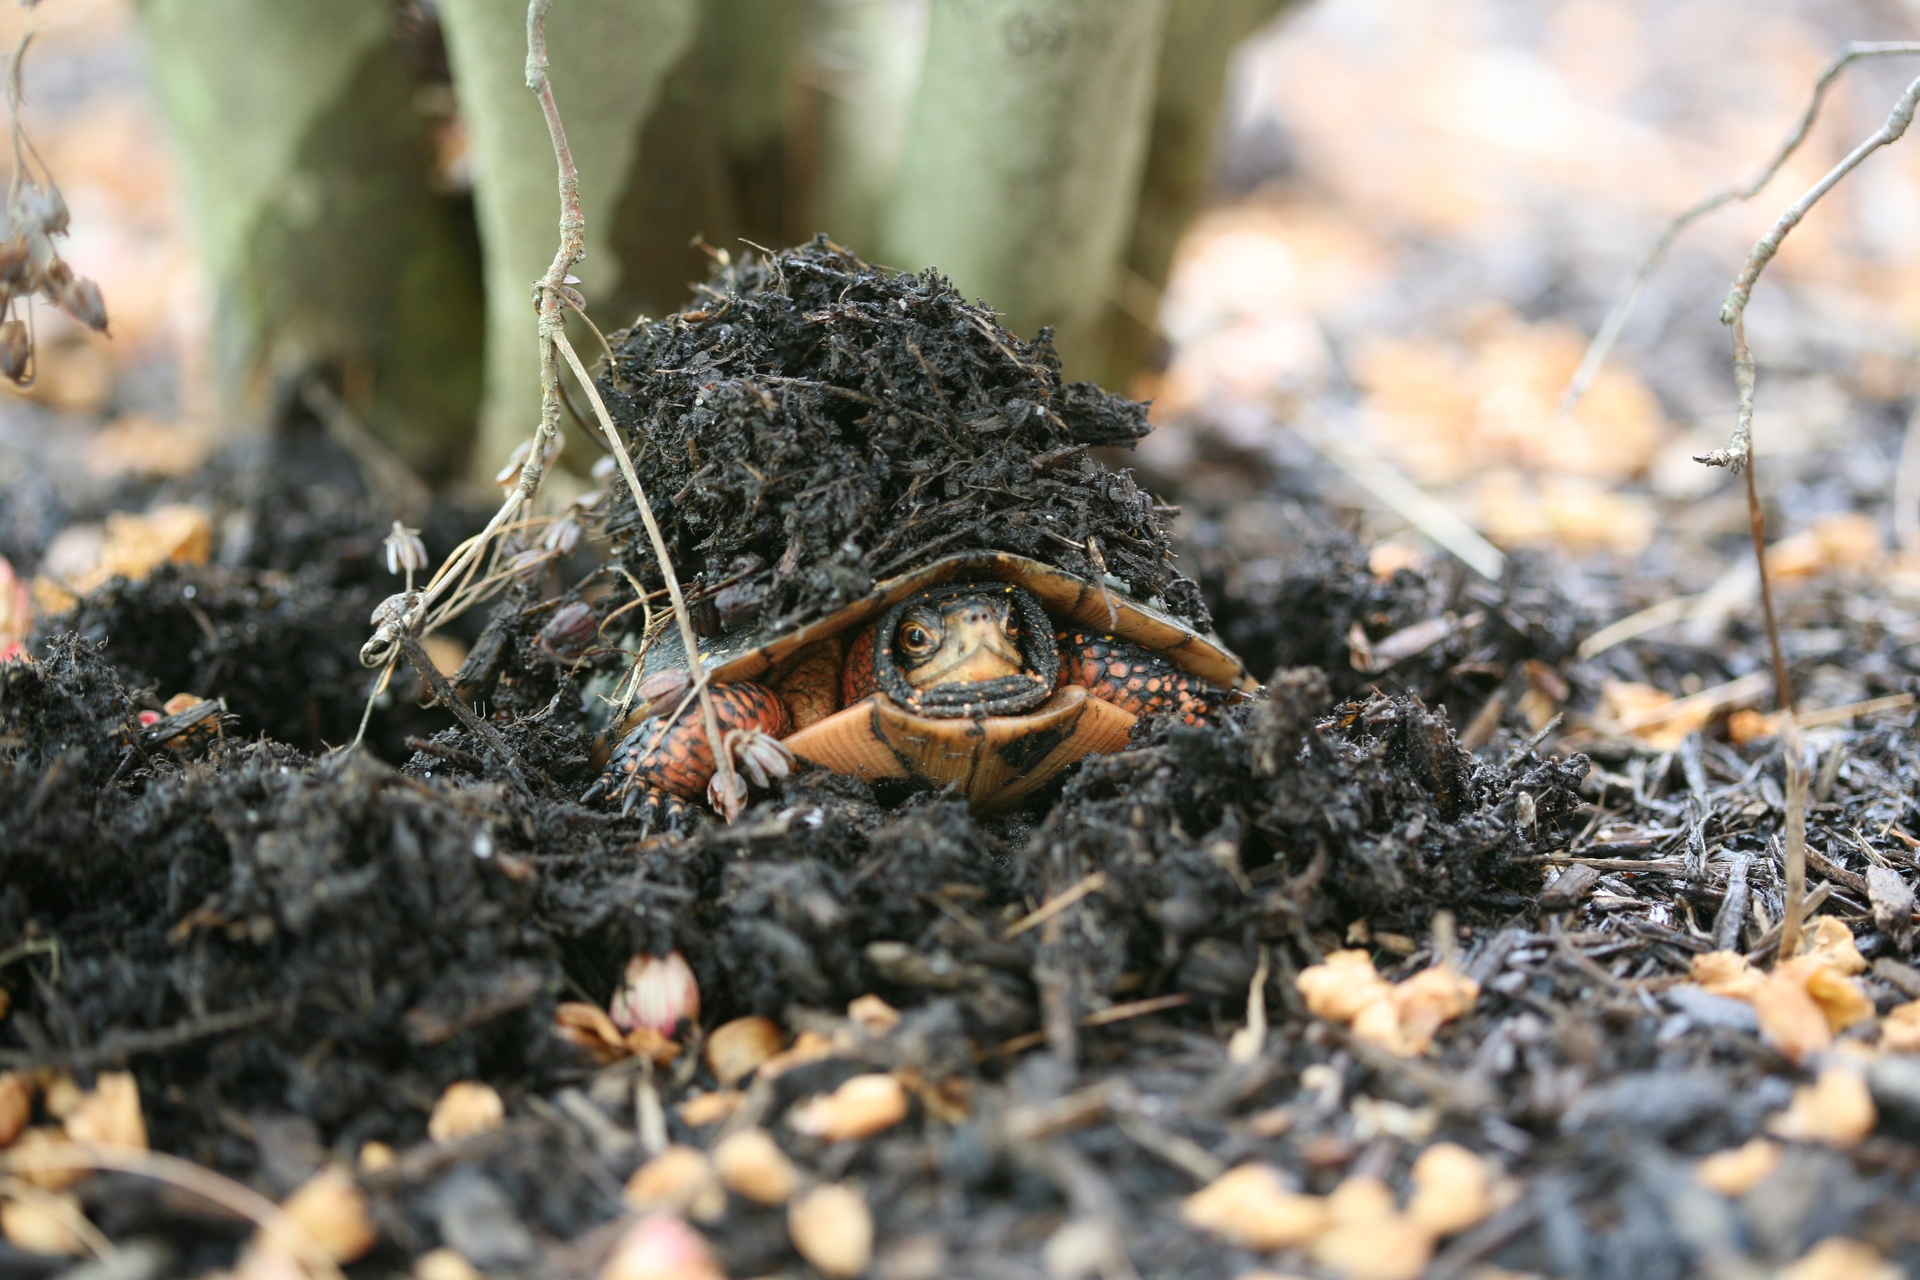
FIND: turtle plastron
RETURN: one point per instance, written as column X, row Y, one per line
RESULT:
column 996, row 761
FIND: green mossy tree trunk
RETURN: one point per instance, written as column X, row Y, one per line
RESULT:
column 307, row 167
column 1200, row 40
column 1024, row 157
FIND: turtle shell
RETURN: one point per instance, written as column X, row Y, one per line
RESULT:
column 995, row 760
column 745, row 653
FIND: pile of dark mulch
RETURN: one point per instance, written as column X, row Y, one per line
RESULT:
column 816, row 424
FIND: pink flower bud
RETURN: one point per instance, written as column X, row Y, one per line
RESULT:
column 656, row 994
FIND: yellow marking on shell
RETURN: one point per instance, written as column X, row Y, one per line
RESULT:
column 996, row 760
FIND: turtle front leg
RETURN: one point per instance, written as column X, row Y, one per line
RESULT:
column 660, row 766
column 1134, row 679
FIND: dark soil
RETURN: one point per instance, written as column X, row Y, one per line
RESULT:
column 295, row 952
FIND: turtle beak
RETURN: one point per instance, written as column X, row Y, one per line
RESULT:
column 975, row 647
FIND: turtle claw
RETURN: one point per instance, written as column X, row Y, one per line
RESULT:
column 660, row 812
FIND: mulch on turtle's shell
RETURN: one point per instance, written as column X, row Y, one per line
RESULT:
column 816, row 424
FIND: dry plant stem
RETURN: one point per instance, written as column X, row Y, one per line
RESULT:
column 723, row 763
column 1757, row 525
column 1795, row 854
column 1733, row 313
column 186, row 1175
column 1609, row 332
column 551, row 293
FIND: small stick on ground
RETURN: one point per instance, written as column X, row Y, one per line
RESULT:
column 1795, row 854
column 417, row 655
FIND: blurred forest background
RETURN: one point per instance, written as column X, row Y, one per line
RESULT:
column 1334, row 241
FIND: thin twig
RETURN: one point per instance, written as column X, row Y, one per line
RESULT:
column 1609, row 332
column 423, row 663
column 1795, row 854
column 552, row 295
column 1733, row 313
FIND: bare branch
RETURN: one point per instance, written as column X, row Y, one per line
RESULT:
column 1609, row 333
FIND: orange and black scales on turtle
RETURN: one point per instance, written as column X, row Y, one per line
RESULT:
column 987, row 672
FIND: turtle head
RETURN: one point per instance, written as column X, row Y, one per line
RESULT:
column 967, row 649
column 962, row 639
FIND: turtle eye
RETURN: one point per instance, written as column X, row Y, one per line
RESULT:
column 916, row 641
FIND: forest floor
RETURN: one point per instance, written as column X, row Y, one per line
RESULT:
column 1456, row 954
column 1453, row 954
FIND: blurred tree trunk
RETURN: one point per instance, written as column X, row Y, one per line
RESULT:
column 1024, row 156
column 868, row 54
column 307, row 165
column 1201, row 37
column 608, row 62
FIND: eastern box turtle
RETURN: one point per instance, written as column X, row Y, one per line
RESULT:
column 985, row 671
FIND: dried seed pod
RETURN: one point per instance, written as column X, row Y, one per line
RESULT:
column 1452, row 1189
column 405, row 552
column 562, row 535
column 1251, row 1206
column 833, row 1229
column 873, row 1015
column 569, row 632
column 42, row 208
column 662, row 691
column 1738, row 1170
column 468, row 1107
column 109, row 1113
column 863, row 1105
column 80, row 298
column 679, row 1178
column 751, row 1164
column 509, row 475
column 332, row 1210
column 16, row 1104
column 16, row 350
column 735, row 1048
column 444, row 1264
column 661, row 1246
column 34, row 1226
column 18, row 276
column 710, row 1108
column 656, row 994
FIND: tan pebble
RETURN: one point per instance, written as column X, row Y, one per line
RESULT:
column 1791, row 1020
column 109, row 1113
column 735, row 1049
column 61, row 1095
column 1340, row 986
column 1726, row 973
column 331, row 1210
column 1900, row 1029
column 444, row 1264
column 16, row 1104
column 680, row 1179
column 375, row 1156
column 751, row 1163
column 1389, row 1248
column 1836, row 1110
column 468, row 1107
column 1360, row 1200
column 1452, row 1189
column 1251, row 1206
column 1838, row 1258
column 34, row 1226
column 1081, row 1248
column 1429, row 999
column 661, row 1246
column 873, row 1015
column 706, row 1108
column 1736, row 1171
column 808, row 1046
column 44, row 1140
column 832, row 1229
column 863, row 1105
